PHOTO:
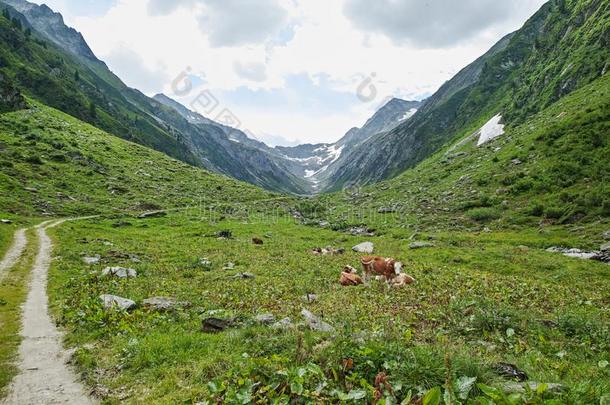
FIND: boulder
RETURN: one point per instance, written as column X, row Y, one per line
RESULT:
column 114, row 301
column 421, row 245
column 283, row 324
column 365, row 247
column 215, row 325
column 511, row 371
column 120, row 272
column 265, row 319
column 315, row 323
column 163, row 304
column 152, row 214
column 91, row 259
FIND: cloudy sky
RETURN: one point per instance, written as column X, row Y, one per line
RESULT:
column 291, row 71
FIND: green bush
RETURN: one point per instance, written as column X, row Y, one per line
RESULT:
column 483, row 214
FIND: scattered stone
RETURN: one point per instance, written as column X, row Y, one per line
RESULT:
column 31, row 189
column 120, row 272
column 309, row 298
column 152, row 214
column 114, row 301
column 386, row 210
column 316, row 323
column 162, row 304
column 606, row 235
column 244, row 276
column 229, row 266
column 324, row 224
column 361, row 231
column 420, row 245
column 516, row 162
column 520, row 388
column 603, row 257
column 284, row 324
column 224, row 234
column 576, row 253
column 258, row 241
column 268, row 235
column 205, row 263
column 115, row 254
column 327, row 251
column 215, row 325
column 6, row 221
column 511, row 371
column 365, row 247
column 605, row 247
column 92, row 259
column 265, row 319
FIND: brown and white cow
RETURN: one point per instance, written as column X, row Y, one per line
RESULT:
column 380, row 266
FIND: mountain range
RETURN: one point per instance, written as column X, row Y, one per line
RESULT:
column 524, row 72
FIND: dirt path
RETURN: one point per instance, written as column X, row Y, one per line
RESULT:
column 44, row 376
column 14, row 252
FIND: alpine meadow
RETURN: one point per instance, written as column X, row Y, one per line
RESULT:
column 181, row 222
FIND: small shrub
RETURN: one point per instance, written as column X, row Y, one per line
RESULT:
column 483, row 214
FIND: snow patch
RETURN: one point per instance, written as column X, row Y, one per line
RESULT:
column 409, row 114
column 491, row 130
column 309, row 173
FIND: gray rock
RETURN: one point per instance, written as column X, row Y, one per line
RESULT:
column 92, row 259
column 420, row 245
column 516, row 162
column 229, row 266
column 152, row 214
column 575, row 253
column 245, row 276
column 316, row 323
column 605, row 247
column 519, row 387
column 309, row 298
column 31, row 189
column 164, row 304
column 215, row 325
column 386, row 210
column 284, row 324
column 606, row 235
column 265, row 319
column 114, row 301
column 361, row 231
column 120, row 272
column 205, row 263
column 6, row 221
column 365, row 247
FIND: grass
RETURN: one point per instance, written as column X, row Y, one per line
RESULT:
column 480, row 299
column 13, row 291
column 54, row 165
column 519, row 180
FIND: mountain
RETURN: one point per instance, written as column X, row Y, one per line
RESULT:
column 55, row 66
column 316, row 162
column 561, row 48
column 52, row 26
column 52, row 164
column 552, row 169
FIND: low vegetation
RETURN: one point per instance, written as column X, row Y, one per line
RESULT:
column 480, row 300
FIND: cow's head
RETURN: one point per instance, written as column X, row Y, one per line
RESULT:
column 397, row 268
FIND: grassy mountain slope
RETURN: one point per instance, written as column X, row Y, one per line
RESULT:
column 553, row 168
column 564, row 46
column 53, row 164
column 85, row 88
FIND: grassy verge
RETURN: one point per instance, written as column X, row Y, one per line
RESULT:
column 480, row 299
column 13, row 291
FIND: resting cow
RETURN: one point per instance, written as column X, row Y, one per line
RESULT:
column 380, row 266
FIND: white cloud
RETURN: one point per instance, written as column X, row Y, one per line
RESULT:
column 256, row 49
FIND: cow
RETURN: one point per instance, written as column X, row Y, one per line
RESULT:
column 380, row 266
